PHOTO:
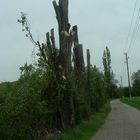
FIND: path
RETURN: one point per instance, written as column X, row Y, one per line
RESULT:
column 123, row 123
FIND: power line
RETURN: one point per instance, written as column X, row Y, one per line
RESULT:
column 129, row 51
column 132, row 32
column 135, row 31
column 131, row 23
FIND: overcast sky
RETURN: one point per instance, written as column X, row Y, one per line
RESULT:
column 101, row 23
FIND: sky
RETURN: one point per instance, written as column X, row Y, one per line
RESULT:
column 101, row 23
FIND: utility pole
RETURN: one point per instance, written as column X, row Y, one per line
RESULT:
column 128, row 74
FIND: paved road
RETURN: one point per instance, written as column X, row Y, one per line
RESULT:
column 123, row 123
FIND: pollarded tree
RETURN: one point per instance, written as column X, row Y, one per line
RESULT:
column 61, row 87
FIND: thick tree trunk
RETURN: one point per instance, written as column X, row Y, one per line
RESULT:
column 79, row 66
column 65, row 36
column 64, row 60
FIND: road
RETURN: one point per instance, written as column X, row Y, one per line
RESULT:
column 123, row 123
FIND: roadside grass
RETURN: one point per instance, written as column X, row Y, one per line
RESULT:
column 87, row 129
column 135, row 102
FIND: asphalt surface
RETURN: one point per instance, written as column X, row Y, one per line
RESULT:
column 123, row 123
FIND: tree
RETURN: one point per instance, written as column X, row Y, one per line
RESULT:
column 107, row 65
column 110, row 82
column 53, row 95
column 136, row 83
column 97, row 87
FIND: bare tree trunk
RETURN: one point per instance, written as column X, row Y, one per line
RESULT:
column 88, row 77
column 79, row 66
column 88, row 68
column 65, row 36
column 79, row 60
column 64, row 60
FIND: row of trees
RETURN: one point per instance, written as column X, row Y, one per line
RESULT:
column 30, row 107
column 59, row 91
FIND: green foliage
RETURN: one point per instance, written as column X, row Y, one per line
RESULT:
column 23, row 114
column 97, row 88
column 110, row 82
column 107, row 65
column 119, row 92
column 45, row 101
column 135, row 101
column 41, row 102
column 86, row 129
column 126, row 91
column 7, row 87
column 136, row 83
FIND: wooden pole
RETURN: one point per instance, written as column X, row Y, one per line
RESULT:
column 128, row 75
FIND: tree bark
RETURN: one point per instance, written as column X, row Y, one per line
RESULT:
column 88, row 78
column 79, row 66
column 88, row 68
column 65, row 37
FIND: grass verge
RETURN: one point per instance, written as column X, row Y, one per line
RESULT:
column 135, row 102
column 87, row 129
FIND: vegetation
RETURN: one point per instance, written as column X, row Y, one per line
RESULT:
column 59, row 91
column 25, row 112
column 110, row 82
column 86, row 129
column 135, row 88
column 135, row 102
column 135, row 78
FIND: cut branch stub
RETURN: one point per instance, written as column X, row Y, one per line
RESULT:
column 49, row 46
column 56, row 7
column 88, row 68
column 53, row 39
column 79, row 59
column 41, row 48
column 75, row 35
